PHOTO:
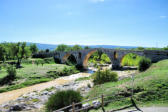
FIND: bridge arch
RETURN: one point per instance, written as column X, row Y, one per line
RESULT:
column 68, row 55
column 126, row 54
column 87, row 56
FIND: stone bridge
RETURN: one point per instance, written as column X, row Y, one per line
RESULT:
column 115, row 56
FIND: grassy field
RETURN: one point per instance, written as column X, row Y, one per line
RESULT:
column 33, row 74
column 150, row 88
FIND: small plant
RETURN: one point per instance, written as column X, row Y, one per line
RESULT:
column 62, row 98
column 11, row 70
column 144, row 64
column 101, row 77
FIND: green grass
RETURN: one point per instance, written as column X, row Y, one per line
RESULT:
column 33, row 74
column 2, row 73
column 150, row 87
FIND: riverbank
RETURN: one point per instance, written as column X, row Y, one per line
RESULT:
column 34, row 97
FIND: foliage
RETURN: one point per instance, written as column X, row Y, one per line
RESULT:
column 66, row 48
column 131, row 60
column 14, row 51
column 101, row 77
column 33, row 48
column 2, row 53
column 86, row 47
column 144, row 64
column 62, row 98
column 63, row 48
column 149, row 87
column 10, row 76
column 64, row 72
column 99, row 58
column 165, row 48
column 76, row 47
column 71, row 61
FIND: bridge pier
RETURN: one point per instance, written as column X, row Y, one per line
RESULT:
column 116, row 65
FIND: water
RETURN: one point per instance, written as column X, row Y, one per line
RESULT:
column 90, row 70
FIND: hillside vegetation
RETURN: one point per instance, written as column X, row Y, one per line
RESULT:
column 150, row 87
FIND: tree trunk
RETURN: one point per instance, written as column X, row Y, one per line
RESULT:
column 18, row 64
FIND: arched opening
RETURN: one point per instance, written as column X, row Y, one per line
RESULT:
column 96, row 58
column 66, row 57
column 115, row 55
column 69, row 59
column 130, row 61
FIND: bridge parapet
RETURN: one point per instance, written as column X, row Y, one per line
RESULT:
column 115, row 56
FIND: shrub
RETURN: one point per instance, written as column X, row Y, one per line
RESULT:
column 65, row 72
column 49, row 60
column 101, row 77
column 68, row 71
column 144, row 64
column 11, row 70
column 62, row 98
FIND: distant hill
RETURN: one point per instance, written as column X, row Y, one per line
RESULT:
column 52, row 46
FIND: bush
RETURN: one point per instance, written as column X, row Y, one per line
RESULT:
column 144, row 64
column 11, row 70
column 49, row 60
column 101, row 77
column 62, row 98
column 65, row 72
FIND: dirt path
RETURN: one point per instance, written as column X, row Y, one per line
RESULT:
column 13, row 95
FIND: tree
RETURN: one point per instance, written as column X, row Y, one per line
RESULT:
column 140, row 48
column 47, row 50
column 165, row 48
column 86, row 47
column 33, row 48
column 2, row 53
column 76, row 47
column 63, row 48
column 20, row 52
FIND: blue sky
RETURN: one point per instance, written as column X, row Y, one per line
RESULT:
column 87, row 22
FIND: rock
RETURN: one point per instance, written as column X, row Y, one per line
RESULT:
column 96, row 104
column 44, row 93
column 87, row 105
column 17, row 107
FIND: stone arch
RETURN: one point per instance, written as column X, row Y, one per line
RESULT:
column 87, row 56
column 66, row 56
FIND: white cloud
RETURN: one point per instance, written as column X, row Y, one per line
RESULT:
column 96, row 1
column 163, row 17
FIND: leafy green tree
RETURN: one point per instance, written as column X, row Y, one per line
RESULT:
column 63, row 48
column 2, row 53
column 165, row 48
column 33, row 48
column 47, row 50
column 20, row 52
column 76, row 47
column 86, row 47
column 140, row 48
